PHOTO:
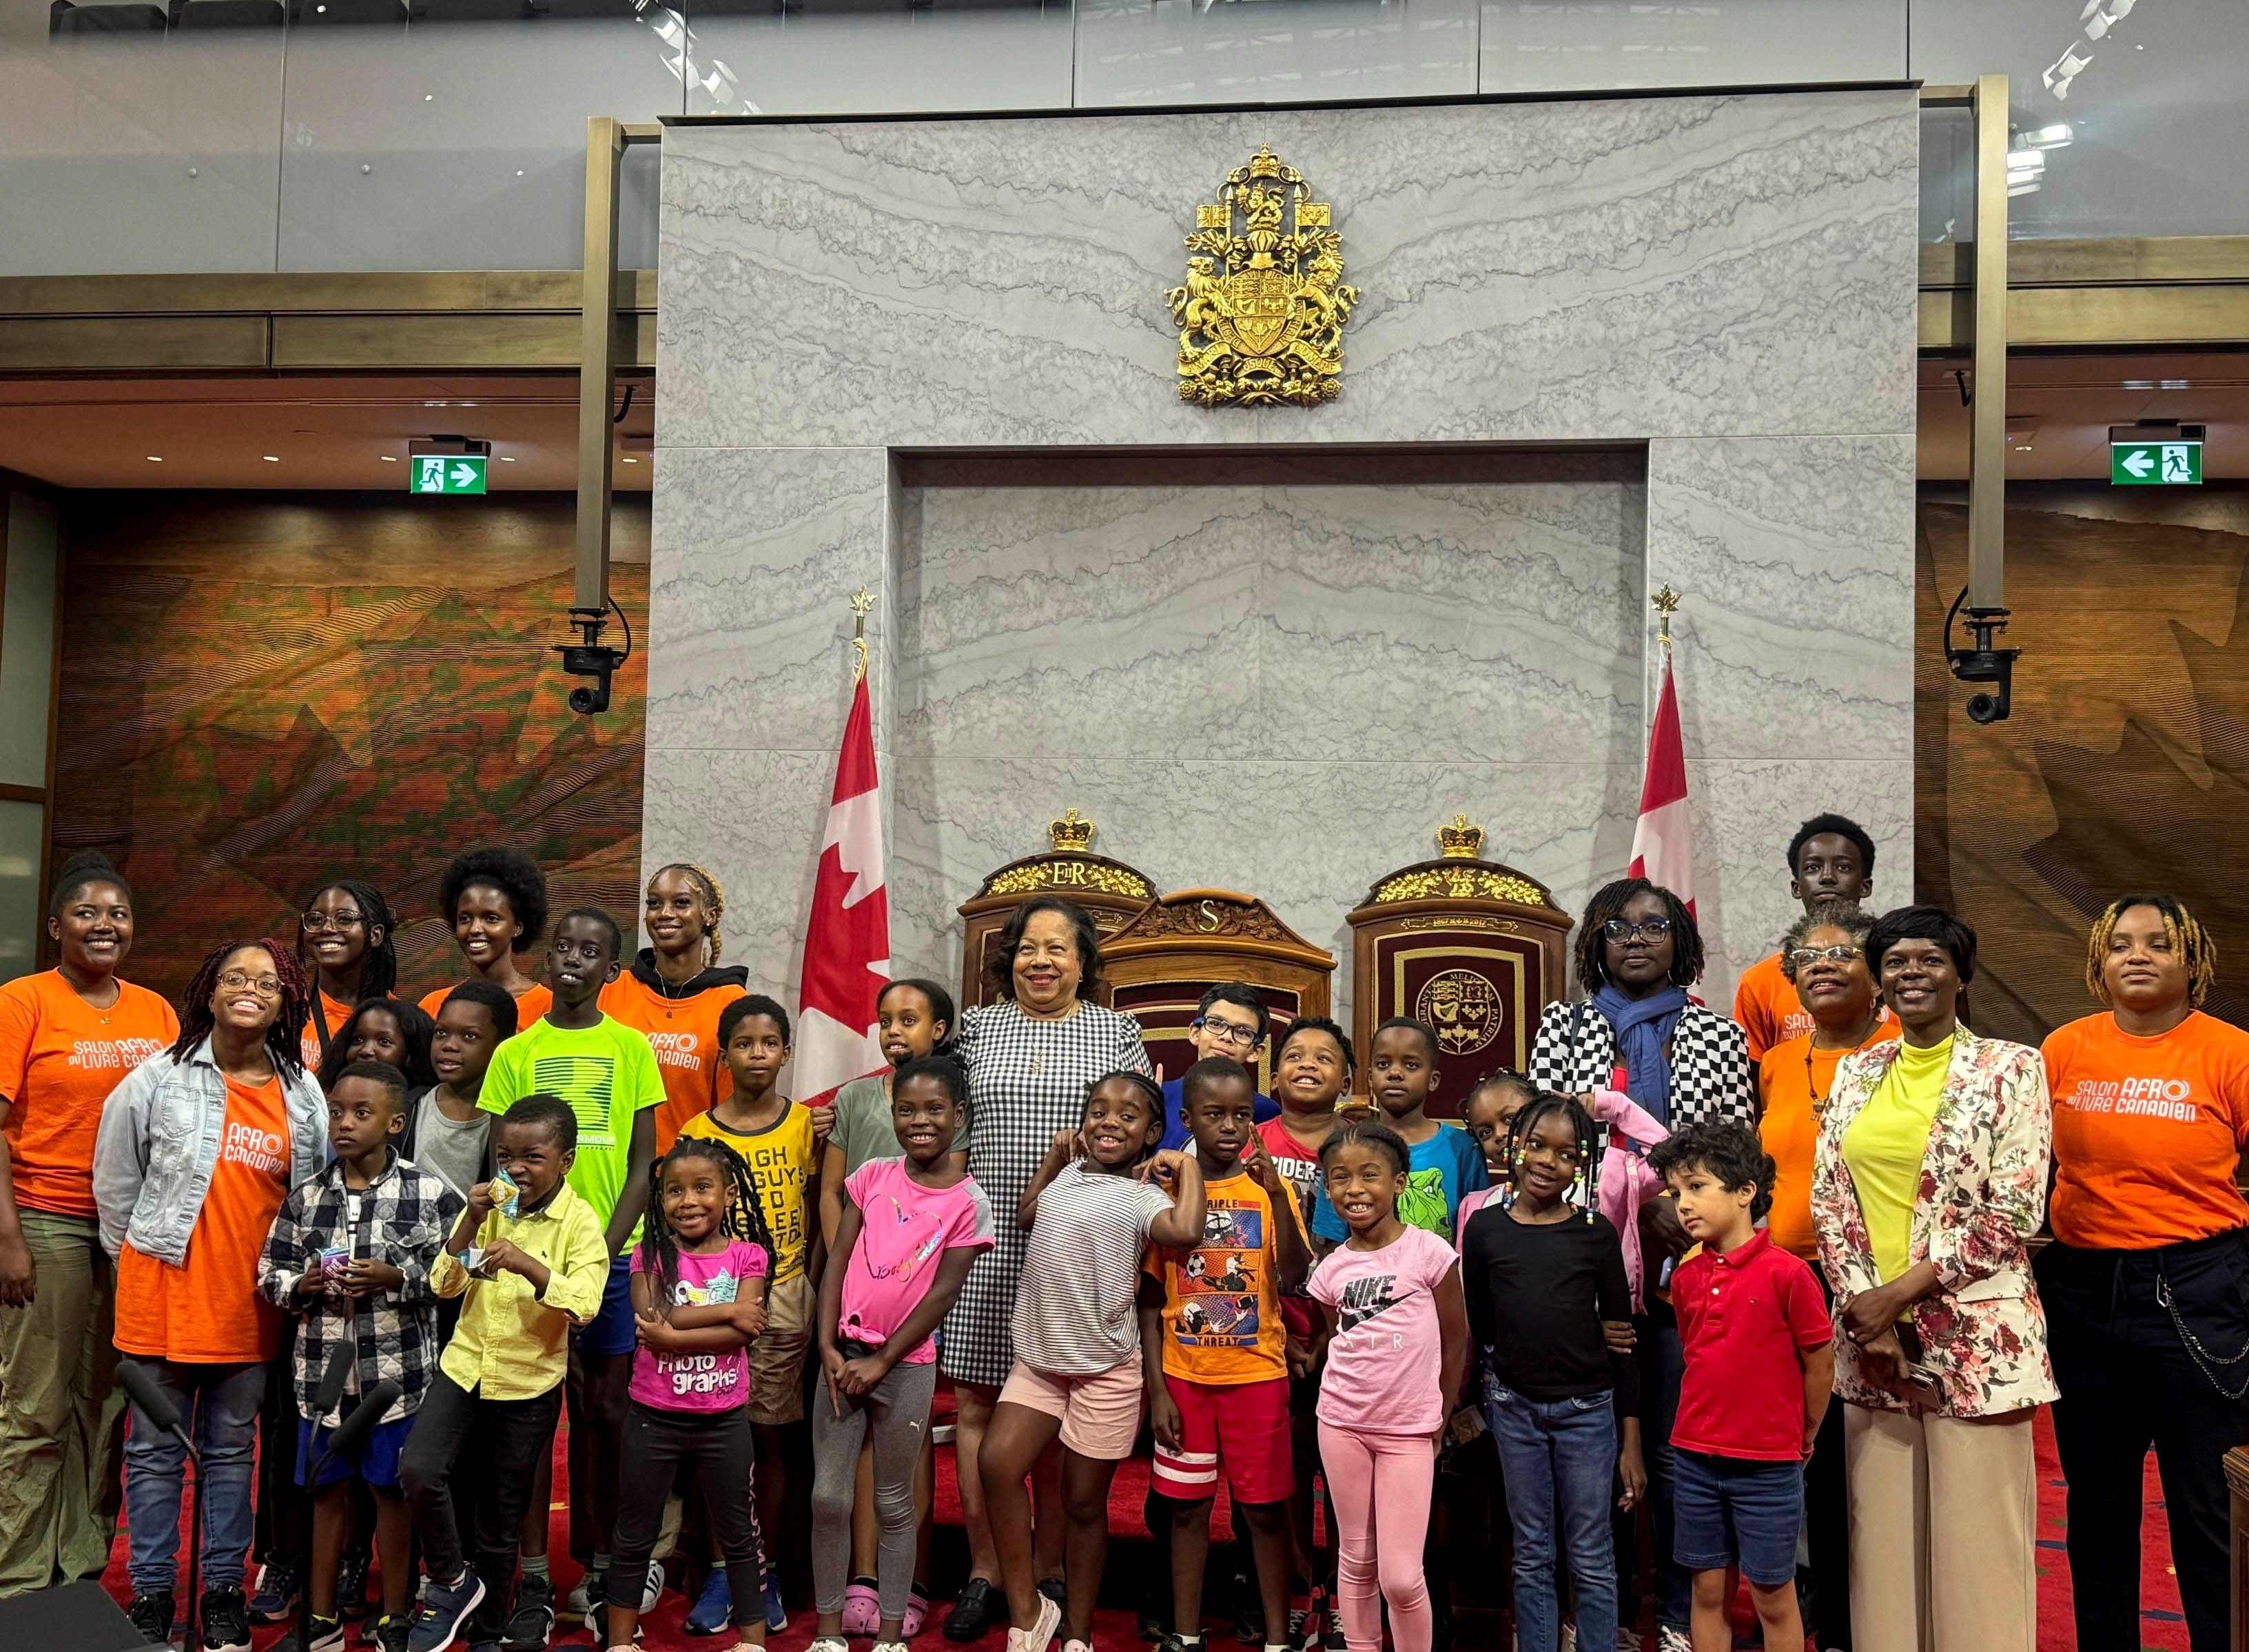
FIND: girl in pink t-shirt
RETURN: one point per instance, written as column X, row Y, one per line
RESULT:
column 699, row 1297
column 1398, row 1349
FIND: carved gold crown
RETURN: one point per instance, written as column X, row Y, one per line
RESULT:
column 1264, row 163
column 1072, row 832
column 1459, row 842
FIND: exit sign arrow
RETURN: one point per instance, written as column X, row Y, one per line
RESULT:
column 2139, row 462
column 2156, row 456
column 446, row 473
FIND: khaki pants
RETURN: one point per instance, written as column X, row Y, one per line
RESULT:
column 62, row 1414
column 1943, row 1518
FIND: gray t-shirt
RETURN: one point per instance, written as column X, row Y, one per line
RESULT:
column 451, row 1149
column 864, row 1129
column 1076, row 1309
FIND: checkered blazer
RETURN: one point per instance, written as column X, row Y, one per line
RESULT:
column 1027, row 1079
column 1712, row 1078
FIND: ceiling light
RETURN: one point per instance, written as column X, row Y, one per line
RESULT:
column 2056, row 136
column 628, row 459
column 2139, row 384
column 2022, row 186
column 507, row 458
column 2176, row 384
column 2067, row 68
column 2027, row 161
column 270, row 458
column 2098, row 22
column 156, row 458
column 390, row 458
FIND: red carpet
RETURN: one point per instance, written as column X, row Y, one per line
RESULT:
column 2164, row 1631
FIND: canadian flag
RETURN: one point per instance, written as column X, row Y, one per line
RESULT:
column 1660, row 842
column 847, row 941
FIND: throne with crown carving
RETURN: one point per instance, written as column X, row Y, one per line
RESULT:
column 1474, row 949
column 1110, row 891
column 1178, row 947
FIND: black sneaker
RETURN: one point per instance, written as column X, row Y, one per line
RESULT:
column 1248, row 1613
column 225, row 1620
column 274, row 1599
column 1151, row 1625
column 980, row 1607
column 328, row 1637
column 152, row 1615
column 1055, row 1590
column 532, row 1623
column 390, row 1632
column 352, row 1604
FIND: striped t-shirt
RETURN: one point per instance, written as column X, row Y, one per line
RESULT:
column 1074, row 1309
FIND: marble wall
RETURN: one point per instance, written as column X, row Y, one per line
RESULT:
column 1252, row 662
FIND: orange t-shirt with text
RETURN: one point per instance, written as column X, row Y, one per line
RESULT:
column 208, row 1312
column 1223, row 1299
column 684, row 1033
column 335, row 1012
column 533, row 1002
column 1794, row 1080
column 2147, row 1132
column 60, row 1060
column 1766, row 1005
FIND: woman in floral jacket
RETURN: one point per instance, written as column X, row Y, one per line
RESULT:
column 1929, row 1179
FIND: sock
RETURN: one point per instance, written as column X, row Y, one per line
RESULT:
column 1270, row 1647
column 1190, row 1639
column 864, row 1579
column 599, row 1563
column 535, row 1565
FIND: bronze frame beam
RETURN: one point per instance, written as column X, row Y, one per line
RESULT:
column 1987, row 441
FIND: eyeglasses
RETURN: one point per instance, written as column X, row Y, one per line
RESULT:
column 1227, row 1033
column 1805, row 957
column 1654, row 928
column 315, row 922
column 266, row 986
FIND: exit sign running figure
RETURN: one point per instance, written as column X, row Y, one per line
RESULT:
column 447, row 473
column 2156, row 455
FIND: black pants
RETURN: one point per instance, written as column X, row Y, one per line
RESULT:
column 720, row 1447
column 2129, row 1382
column 1827, row 1524
column 515, row 1434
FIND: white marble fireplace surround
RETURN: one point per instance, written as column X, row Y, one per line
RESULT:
column 1603, row 345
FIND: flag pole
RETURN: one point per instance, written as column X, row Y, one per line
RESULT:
column 863, row 599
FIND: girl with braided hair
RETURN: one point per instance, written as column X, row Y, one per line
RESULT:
column 699, row 1296
column 674, row 992
column 347, row 945
column 198, row 1146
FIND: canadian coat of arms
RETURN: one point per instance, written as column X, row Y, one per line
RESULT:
column 1261, row 316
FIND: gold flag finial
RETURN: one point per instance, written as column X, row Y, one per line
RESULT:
column 1666, row 602
column 862, row 599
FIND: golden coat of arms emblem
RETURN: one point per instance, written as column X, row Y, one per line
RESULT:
column 1463, row 1009
column 1261, row 316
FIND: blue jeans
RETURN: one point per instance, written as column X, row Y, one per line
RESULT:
column 1558, row 1456
column 218, row 1407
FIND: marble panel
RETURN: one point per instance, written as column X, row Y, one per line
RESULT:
column 1792, row 557
column 1746, row 812
column 1622, row 268
column 754, row 555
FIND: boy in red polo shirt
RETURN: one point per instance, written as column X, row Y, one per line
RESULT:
column 1760, row 1368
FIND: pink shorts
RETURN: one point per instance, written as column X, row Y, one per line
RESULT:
column 1242, row 1428
column 1100, row 1414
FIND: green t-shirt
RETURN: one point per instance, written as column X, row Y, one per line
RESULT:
column 607, row 1073
column 864, row 1127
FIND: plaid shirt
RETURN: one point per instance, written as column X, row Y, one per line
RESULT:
column 405, row 1217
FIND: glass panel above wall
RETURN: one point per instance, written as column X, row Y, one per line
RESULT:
column 1537, row 46
column 2129, row 116
column 876, row 56
column 452, row 136
column 139, row 137
column 1195, row 51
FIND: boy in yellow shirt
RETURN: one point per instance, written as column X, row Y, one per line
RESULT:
column 530, row 1256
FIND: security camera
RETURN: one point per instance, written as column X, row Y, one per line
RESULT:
column 1984, row 662
column 592, row 658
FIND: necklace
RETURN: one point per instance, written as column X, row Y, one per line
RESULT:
column 1819, row 1097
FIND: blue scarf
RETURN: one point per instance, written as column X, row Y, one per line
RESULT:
column 1643, row 1027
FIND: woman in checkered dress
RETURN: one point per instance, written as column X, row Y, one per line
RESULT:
column 1030, row 1058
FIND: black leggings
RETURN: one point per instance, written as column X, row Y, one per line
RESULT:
column 719, row 1445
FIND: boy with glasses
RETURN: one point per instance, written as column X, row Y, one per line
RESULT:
column 1230, row 1021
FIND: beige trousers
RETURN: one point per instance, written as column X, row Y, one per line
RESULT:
column 1943, row 1525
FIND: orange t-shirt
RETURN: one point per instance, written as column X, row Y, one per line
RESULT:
column 208, row 1312
column 60, row 1060
column 684, row 1033
column 1223, row 1299
column 2147, row 1132
column 1766, row 1005
column 533, row 1002
column 1794, row 1081
column 335, row 1013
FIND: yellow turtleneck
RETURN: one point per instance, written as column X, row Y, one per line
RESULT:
column 1884, row 1146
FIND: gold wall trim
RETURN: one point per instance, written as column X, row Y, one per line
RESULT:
column 393, row 293
column 2094, row 318
column 134, row 344
column 2116, row 262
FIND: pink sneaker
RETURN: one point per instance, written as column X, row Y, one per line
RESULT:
column 863, row 1610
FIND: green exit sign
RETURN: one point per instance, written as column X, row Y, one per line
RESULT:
column 446, row 473
column 2155, row 465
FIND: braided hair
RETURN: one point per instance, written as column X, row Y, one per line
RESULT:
column 284, row 1039
column 714, row 898
column 379, row 965
column 1608, row 902
column 743, row 1218
column 1544, row 1104
column 2188, row 938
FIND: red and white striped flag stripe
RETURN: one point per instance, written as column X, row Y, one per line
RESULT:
column 847, row 939
column 1662, row 840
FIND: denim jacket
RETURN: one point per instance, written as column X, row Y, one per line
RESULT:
column 160, row 1140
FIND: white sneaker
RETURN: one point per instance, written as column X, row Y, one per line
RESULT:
column 827, row 1643
column 1038, row 1637
column 1670, row 1640
column 652, row 1590
column 1569, row 1637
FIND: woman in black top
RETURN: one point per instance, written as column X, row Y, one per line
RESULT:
column 1541, row 1272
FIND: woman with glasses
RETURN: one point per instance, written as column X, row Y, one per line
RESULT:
column 67, row 1036
column 197, row 1147
column 1823, row 957
column 1636, row 1031
column 1030, row 1058
column 1927, row 1183
column 346, row 943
